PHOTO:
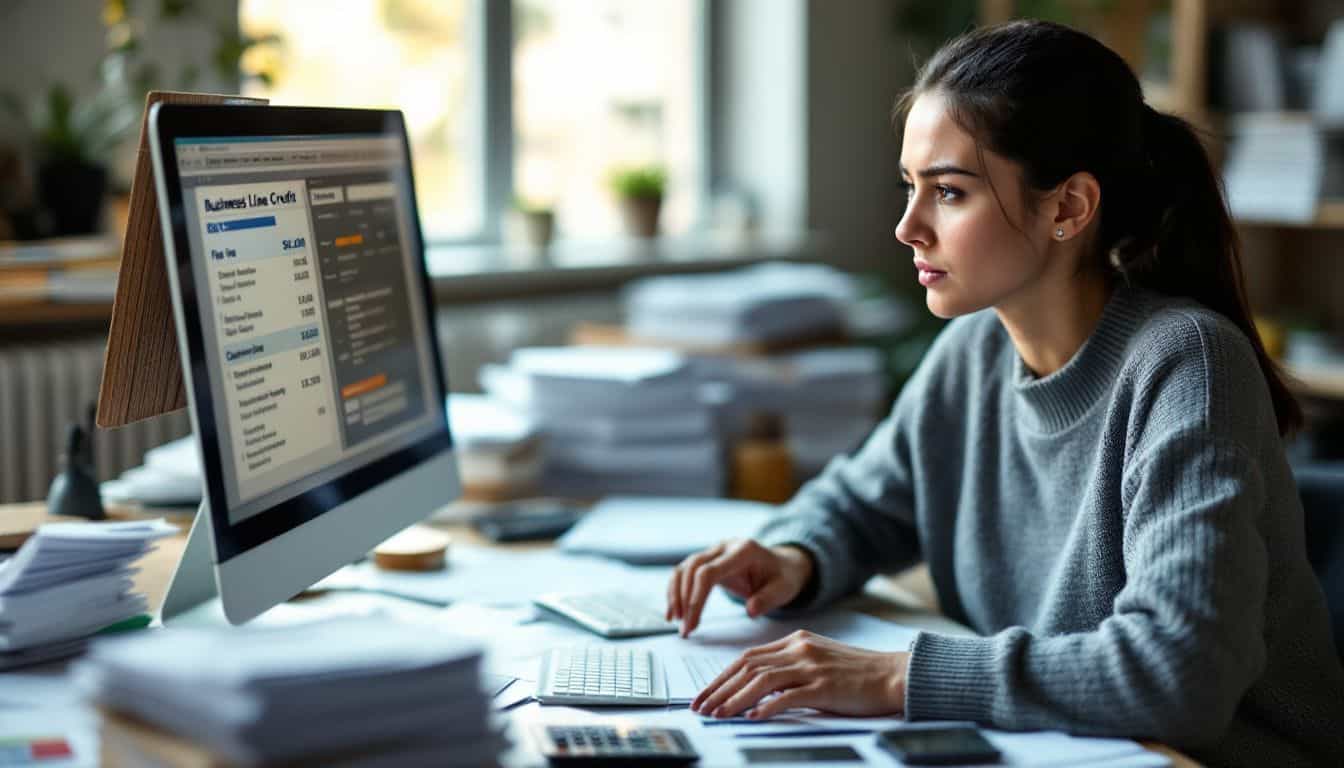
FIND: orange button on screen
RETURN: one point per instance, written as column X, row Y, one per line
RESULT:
column 365, row 386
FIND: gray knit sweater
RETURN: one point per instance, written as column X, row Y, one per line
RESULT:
column 1124, row 534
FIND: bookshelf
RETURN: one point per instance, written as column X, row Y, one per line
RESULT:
column 55, row 283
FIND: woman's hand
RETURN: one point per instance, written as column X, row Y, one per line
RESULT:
column 807, row 670
column 766, row 578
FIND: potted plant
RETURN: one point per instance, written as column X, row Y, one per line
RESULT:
column 72, row 143
column 640, row 192
column 533, row 224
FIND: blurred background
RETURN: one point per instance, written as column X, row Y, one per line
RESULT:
column 579, row 161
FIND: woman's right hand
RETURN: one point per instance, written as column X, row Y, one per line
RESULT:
column 765, row 577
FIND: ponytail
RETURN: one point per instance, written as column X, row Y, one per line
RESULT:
column 1181, row 241
column 1057, row 102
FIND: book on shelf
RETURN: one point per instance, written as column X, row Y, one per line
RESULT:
column 71, row 269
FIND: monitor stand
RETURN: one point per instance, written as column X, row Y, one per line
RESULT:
column 193, row 583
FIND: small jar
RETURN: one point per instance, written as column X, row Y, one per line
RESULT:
column 762, row 469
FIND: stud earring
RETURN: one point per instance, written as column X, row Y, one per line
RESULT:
column 1059, row 233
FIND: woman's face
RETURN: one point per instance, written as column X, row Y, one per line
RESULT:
column 968, row 252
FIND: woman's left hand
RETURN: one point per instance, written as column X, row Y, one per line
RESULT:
column 808, row 670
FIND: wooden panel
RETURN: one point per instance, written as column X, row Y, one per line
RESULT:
column 142, row 375
column 1325, row 384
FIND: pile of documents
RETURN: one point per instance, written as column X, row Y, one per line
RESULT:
column 765, row 303
column 617, row 420
column 828, row 399
column 68, row 581
column 498, row 449
column 170, row 476
column 345, row 692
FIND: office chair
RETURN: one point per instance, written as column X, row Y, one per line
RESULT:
column 1321, row 487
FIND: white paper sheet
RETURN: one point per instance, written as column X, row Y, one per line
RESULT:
column 661, row 530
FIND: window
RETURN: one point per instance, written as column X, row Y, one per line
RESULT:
column 595, row 84
column 412, row 55
column 598, row 85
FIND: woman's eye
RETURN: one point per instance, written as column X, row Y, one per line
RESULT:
column 947, row 194
column 908, row 189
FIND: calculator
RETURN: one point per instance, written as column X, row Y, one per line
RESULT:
column 609, row 745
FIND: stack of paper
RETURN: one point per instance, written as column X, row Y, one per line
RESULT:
column 170, row 476
column 766, row 303
column 336, row 692
column 828, row 399
column 498, row 448
column 68, row 581
column 618, row 420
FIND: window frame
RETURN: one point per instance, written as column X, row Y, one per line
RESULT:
column 493, row 142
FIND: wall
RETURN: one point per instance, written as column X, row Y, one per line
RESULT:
column 857, row 64
column 64, row 41
column 800, row 98
column 758, row 109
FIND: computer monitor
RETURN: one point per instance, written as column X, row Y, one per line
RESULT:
column 305, row 324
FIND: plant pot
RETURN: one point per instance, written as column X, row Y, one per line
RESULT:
column 72, row 192
column 538, row 228
column 641, row 215
column 528, row 235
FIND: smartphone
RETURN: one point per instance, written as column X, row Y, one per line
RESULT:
column 942, row 745
column 528, row 520
column 801, row 754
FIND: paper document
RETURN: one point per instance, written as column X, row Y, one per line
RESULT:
column 67, row 581
column 661, row 530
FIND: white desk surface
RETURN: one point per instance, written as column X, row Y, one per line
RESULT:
column 43, row 696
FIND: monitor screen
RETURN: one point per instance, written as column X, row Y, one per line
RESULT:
column 306, row 267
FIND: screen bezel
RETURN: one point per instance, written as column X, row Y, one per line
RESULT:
column 179, row 121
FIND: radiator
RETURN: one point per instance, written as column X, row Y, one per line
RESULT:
column 43, row 389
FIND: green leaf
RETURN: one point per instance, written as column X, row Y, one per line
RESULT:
column 640, row 183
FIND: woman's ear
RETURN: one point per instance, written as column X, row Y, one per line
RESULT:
column 1076, row 202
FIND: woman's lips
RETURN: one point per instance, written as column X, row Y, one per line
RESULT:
column 928, row 277
column 927, row 274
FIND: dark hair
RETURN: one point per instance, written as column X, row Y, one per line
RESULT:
column 1056, row 101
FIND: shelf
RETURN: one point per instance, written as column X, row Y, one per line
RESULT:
column 1329, row 215
column 1325, row 383
column 477, row 273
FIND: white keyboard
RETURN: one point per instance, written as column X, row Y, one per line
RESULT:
column 609, row 614
column 601, row 674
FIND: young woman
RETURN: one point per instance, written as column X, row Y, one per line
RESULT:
column 1089, row 459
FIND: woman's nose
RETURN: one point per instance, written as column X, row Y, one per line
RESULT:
column 910, row 230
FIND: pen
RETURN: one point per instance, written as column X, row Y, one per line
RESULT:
column 806, row 732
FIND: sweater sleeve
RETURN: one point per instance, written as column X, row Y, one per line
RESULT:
column 1184, row 641
column 856, row 518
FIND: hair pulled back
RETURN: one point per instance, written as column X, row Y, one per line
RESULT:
column 1058, row 102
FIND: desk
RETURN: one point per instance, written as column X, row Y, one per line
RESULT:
column 156, row 570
